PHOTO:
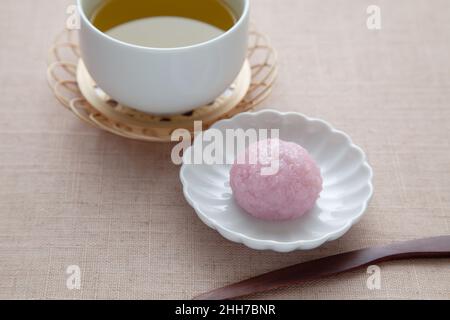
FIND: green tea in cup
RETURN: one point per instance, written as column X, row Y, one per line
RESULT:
column 164, row 23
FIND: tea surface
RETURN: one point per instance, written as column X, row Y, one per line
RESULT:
column 112, row 13
column 165, row 32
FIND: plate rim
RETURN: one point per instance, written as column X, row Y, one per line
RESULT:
column 283, row 247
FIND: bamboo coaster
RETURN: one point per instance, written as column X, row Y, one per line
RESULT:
column 110, row 108
column 77, row 91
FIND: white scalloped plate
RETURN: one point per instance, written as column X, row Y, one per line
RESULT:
column 347, row 186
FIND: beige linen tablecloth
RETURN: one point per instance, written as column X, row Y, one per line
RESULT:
column 73, row 195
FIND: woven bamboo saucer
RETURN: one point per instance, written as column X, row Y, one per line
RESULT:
column 77, row 91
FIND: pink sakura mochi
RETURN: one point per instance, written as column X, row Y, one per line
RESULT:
column 288, row 194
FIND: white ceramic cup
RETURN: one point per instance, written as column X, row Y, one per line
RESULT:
column 164, row 80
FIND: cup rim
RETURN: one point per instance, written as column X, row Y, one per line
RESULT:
column 236, row 26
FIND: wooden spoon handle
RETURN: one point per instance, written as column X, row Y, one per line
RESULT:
column 438, row 247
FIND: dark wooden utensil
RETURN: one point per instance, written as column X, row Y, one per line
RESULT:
column 438, row 247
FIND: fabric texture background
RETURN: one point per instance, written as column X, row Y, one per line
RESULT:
column 73, row 195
